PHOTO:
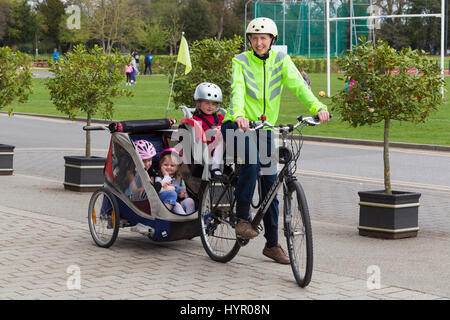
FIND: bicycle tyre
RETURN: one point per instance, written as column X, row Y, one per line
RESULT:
column 103, row 218
column 298, row 232
column 217, row 233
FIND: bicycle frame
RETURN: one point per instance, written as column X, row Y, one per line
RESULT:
column 284, row 177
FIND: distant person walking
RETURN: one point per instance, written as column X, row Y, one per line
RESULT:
column 136, row 57
column 148, row 62
column 55, row 55
column 133, row 65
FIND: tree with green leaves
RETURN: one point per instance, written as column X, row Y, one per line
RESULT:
column 198, row 20
column 211, row 62
column 52, row 12
column 385, row 85
column 15, row 77
column 87, row 81
column 20, row 24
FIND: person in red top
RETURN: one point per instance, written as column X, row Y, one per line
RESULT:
column 207, row 97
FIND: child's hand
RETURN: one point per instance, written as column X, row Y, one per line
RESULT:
column 168, row 188
column 164, row 184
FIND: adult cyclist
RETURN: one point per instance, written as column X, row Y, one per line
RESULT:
column 258, row 77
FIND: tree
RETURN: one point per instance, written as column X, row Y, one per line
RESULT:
column 169, row 13
column 15, row 77
column 228, row 23
column 154, row 36
column 386, row 88
column 425, row 32
column 87, row 81
column 212, row 61
column 5, row 16
column 52, row 12
column 113, row 21
column 198, row 20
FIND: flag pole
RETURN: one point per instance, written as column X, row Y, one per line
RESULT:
column 185, row 59
column 171, row 87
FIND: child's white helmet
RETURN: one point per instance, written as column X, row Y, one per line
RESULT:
column 262, row 25
column 208, row 91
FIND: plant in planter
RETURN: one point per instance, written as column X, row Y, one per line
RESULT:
column 86, row 81
column 15, row 84
column 384, row 85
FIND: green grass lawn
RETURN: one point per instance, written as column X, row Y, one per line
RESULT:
column 151, row 96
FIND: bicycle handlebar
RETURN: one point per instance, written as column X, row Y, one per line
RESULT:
column 310, row 121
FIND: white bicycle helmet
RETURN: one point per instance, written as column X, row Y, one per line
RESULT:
column 262, row 25
column 208, row 91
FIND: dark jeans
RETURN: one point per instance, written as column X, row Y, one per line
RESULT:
column 249, row 174
column 149, row 66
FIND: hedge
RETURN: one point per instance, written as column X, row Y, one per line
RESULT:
column 162, row 63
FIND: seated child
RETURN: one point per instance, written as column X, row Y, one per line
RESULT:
column 170, row 184
column 207, row 96
column 147, row 151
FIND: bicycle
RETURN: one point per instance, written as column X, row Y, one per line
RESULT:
column 217, row 213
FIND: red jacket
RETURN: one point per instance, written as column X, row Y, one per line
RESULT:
column 210, row 118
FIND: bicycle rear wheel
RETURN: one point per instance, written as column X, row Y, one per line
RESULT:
column 217, row 222
column 103, row 218
column 297, row 229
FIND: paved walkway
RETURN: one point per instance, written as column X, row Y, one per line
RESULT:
column 45, row 247
column 42, row 254
column 45, row 239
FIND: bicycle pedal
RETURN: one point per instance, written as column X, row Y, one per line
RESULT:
column 259, row 228
column 242, row 242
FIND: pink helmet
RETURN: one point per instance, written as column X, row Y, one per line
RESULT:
column 173, row 152
column 146, row 149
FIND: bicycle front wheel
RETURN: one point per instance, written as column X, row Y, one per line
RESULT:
column 217, row 222
column 297, row 229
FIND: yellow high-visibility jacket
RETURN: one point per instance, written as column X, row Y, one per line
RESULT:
column 257, row 86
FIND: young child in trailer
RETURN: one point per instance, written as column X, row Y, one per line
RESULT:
column 135, row 190
column 207, row 97
column 171, row 185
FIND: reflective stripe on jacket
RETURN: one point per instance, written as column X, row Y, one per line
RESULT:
column 257, row 86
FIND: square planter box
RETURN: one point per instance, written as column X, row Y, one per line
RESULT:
column 83, row 174
column 388, row 216
column 6, row 159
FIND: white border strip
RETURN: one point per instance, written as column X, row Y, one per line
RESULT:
column 391, row 206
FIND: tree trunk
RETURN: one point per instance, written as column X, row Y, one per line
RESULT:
column 222, row 13
column 387, row 167
column 88, row 136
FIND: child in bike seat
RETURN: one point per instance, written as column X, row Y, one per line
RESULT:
column 171, row 186
column 207, row 97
